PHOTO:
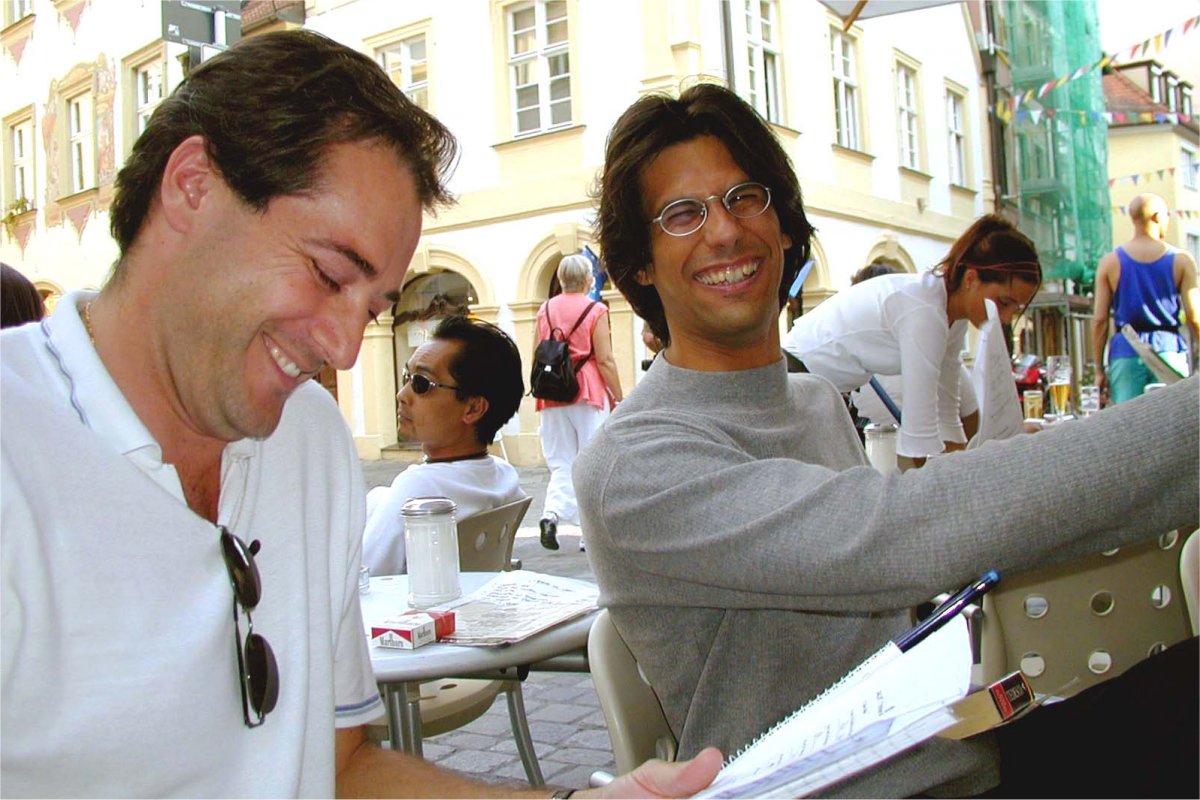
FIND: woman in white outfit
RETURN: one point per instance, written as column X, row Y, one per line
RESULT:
column 913, row 326
column 566, row 427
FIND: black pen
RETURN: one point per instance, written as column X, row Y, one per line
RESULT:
column 943, row 613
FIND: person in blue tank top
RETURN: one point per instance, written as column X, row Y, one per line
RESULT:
column 1142, row 283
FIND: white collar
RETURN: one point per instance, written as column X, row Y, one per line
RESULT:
column 101, row 404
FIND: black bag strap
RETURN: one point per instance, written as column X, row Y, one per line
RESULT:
column 574, row 327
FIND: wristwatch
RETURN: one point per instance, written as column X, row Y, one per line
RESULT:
column 562, row 794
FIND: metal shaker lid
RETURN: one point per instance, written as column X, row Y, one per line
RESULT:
column 427, row 507
column 880, row 429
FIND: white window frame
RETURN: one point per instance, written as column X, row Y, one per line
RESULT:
column 538, row 62
column 956, row 135
column 407, row 71
column 761, row 68
column 81, row 141
column 1188, row 166
column 844, row 58
column 19, row 145
column 148, row 92
column 16, row 10
column 908, row 116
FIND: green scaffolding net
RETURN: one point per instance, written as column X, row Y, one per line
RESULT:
column 1057, row 152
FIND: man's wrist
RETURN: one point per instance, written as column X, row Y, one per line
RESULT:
column 563, row 794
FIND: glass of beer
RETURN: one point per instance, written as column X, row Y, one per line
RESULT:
column 1058, row 376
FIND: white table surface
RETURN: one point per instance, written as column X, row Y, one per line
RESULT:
column 389, row 596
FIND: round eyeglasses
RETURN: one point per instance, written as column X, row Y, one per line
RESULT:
column 685, row 217
column 421, row 384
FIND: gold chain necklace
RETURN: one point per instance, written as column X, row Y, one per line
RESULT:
column 87, row 321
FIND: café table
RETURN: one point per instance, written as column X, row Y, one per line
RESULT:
column 562, row 648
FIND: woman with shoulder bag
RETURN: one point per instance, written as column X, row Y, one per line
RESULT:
column 567, row 426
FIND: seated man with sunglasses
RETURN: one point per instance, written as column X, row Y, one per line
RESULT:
column 177, row 492
column 459, row 388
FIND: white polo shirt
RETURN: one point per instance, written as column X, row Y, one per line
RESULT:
column 117, row 663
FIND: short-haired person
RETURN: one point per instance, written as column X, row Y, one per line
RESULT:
column 20, row 301
column 183, row 506
column 566, row 427
column 748, row 554
column 1144, row 283
column 458, row 389
column 913, row 325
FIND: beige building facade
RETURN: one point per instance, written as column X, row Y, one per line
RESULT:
column 885, row 123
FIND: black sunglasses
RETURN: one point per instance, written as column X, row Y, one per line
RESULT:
column 257, row 670
column 421, row 384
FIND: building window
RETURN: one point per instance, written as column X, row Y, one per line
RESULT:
column 1156, row 84
column 1188, row 166
column 147, row 93
column 907, row 117
column 762, row 58
column 16, row 10
column 1185, row 100
column 407, row 64
column 1172, row 93
column 1193, row 246
column 539, row 66
column 956, row 135
column 845, row 89
column 81, row 161
column 20, row 152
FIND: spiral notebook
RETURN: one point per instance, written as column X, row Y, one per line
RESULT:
column 887, row 704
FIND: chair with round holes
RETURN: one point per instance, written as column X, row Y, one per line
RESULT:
column 1074, row 625
column 637, row 726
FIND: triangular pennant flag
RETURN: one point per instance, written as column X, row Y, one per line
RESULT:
column 1104, row 62
column 1187, row 25
column 1158, row 43
column 1133, row 178
column 1051, row 112
column 1161, row 173
column 1046, row 87
column 1035, row 115
column 1167, row 36
column 1145, row 46
column 1111, row 181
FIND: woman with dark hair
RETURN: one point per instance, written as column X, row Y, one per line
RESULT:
column 913, row 326
column 19, row 299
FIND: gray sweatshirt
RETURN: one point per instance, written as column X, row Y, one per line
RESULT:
column 750, row 557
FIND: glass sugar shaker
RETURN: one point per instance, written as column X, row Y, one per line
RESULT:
column 431, row 542
column 881, row 446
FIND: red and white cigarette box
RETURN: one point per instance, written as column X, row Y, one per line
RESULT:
column 412, row 629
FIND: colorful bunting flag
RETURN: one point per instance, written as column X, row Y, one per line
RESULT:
column 1005, row 109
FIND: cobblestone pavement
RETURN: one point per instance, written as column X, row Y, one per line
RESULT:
column 564, row 714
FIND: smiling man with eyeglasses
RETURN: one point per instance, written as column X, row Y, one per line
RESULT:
column 182, row 506
column 458, row 389
column 748, row 554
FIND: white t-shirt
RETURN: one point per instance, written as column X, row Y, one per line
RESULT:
column 474, row 484
column 891, row 325
column 118, row 663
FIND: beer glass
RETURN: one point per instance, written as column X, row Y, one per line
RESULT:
column 1058, row 377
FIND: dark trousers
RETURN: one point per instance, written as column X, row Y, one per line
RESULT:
column 1137, row 735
